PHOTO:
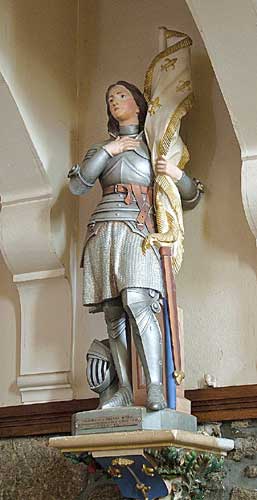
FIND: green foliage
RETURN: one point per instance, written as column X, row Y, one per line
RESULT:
column 78, row 458
column 193, row 474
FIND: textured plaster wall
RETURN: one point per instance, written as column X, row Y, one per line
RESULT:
column 217, row 284
column 38, row 61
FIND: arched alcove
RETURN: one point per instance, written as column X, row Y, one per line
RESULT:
column 219, row 271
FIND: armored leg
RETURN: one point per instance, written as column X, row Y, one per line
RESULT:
column 115, row 318
column 141, row 305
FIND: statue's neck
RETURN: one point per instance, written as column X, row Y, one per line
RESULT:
column 129, row 130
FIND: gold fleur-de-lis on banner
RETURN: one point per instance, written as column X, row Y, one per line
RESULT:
column 169, row 63
column 183, row 85
column 154, row 106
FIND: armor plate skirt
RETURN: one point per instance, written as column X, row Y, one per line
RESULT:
column 113, row 261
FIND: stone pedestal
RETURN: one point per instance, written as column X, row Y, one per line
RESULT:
column 128, row 457
column 123, row 443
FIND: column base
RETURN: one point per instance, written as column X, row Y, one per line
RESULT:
column 46, row 387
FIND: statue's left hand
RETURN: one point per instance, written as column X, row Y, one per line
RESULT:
column 167, row 167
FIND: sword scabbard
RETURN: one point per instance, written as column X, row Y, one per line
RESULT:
column 170, row 288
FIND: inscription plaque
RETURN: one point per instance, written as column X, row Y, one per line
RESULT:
column 134, row 418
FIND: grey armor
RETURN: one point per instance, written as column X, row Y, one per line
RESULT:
column 118, row 278
column 131, row 167
column 141, row 306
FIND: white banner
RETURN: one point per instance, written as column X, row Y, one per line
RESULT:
column 168, row 91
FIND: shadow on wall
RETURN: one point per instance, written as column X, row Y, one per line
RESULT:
column 90, row 87
column 200, row 123
column 220, row 252
column 41, row 64
column 216, row 160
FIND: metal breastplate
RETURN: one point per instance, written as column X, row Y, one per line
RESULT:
column 131, row 167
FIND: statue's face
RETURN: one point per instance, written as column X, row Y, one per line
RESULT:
column 123, row 106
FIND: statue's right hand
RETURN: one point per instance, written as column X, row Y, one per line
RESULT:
column 121, row 144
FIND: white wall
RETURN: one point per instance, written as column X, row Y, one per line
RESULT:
column 217, row 284
column 38, row 61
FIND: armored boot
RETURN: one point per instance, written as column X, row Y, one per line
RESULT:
column 141, row 305
column 115, row 318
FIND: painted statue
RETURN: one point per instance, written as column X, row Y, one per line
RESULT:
column 122, row 270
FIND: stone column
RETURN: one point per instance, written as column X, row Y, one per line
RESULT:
column 27, row 248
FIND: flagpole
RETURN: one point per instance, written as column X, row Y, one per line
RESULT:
column 162, row 38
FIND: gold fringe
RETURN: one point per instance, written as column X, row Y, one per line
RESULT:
column 186, row 42
column 185, row 157
column 161, row 219
column 180, row 111
column 172, row 193
column 170, row 224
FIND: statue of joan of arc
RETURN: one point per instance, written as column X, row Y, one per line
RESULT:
column 140, row 169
